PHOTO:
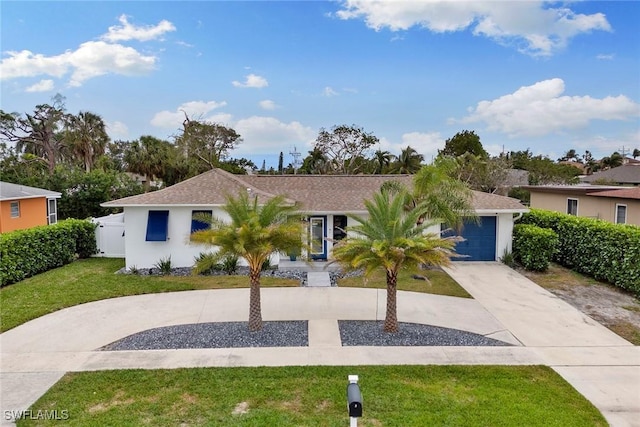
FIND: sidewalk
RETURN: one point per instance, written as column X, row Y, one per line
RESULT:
column 544, row 330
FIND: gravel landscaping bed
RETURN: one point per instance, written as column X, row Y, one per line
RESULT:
column 216, row 335
column 369, row 333
column 294, row 334
column 300, row 275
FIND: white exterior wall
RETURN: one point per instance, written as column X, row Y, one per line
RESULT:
column 143, row 254
column 504, row 230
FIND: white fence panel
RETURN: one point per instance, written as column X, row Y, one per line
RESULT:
column 110, row 236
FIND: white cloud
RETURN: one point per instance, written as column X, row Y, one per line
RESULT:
column 41, row 86
column 605, row 57
column 426, row 144
column 94, row 59
column 268, row 135
column 535, row 27
column 541, row 109
column 194, row 109
column 252, row 80
column 117, row 130
column 267, row 104
column 329, row 92
column 90, row 59
column 127, row 31
column 28, row 64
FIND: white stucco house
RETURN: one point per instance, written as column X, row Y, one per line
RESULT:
column 158, row 224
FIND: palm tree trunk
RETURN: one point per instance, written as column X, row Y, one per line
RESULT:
column 391, row 319
column 255, row 310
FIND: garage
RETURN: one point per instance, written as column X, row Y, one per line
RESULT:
column 480, row 240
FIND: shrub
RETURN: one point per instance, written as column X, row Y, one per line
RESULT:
column 164, row 265
column 25, row 253
column 533, row 246
column 229, row 264
column 605, row 251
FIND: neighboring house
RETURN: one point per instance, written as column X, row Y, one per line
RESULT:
column 627, row 174
column 25, row 207
column 514, row 178
column 158, row 224
column 619, row 205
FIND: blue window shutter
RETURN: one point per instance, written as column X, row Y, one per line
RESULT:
column 157, row 226
column 199, row 225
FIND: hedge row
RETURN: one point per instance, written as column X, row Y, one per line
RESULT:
column 29, row 252
column 605, row 251
column 534, row 246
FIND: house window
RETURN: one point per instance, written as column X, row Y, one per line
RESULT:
column 15, row 209
column 157, row 226
column 339, row 227
column 52, row 211
column 621, row 214
column 572, row 206
column 197, row 225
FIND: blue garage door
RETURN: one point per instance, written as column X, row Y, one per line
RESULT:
column 480, row 243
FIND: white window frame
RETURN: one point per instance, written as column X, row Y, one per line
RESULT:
column 620, row 205
column 52, row 214
column 15, row 209
column 569, row 199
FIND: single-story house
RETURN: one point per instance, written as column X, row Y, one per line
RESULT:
column 619, row 205
column 627, row 174
column 24, row 207
column 158, row 224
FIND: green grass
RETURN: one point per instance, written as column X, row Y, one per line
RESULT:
column 94, row 279
column 315, row 396
column 440, row 283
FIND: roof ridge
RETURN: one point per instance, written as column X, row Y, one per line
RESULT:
column 236, row 178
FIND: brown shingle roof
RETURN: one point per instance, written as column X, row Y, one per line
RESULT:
column 315, row 193
column 623, row 193
column 625, row 174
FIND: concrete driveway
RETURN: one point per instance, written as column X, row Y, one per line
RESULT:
column 544, row 330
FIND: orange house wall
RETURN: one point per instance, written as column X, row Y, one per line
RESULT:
column 33, row 212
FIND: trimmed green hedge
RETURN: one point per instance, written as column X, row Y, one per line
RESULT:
column 534, row 246
column 605, row 251
column 26, row 253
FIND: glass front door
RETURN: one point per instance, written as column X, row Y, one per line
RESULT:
column 317, row 243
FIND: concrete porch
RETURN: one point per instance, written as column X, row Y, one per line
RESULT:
column 287, row 265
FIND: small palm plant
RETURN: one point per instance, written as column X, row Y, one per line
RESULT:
column 254, row 232
column 392, row 238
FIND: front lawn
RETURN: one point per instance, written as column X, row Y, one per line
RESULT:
column 316, row 396
column 440, row 283
column 93, row 279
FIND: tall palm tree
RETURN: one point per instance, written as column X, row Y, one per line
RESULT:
column 409, row 161
column 149, row 157
column 382, row 161
column 254, row 232
column 389, row 238
column 86, row 137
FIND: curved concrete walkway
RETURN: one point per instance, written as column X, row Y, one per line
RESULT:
column 544, row 330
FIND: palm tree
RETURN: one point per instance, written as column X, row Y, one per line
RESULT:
column 86, row 137
column 446, row 199
column 382, row 160
column 254, row 232
column 389, row 238
column 149, row 157
column 409, row 161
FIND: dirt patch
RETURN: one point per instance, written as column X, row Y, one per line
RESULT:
column 614, row 308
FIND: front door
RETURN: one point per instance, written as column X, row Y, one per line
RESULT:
column 317, row 240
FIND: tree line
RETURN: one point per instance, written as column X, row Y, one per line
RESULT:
column 54, row 149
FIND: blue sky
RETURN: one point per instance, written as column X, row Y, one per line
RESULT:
column 548, row 76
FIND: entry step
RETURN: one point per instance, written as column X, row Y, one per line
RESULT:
column 318, row 279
